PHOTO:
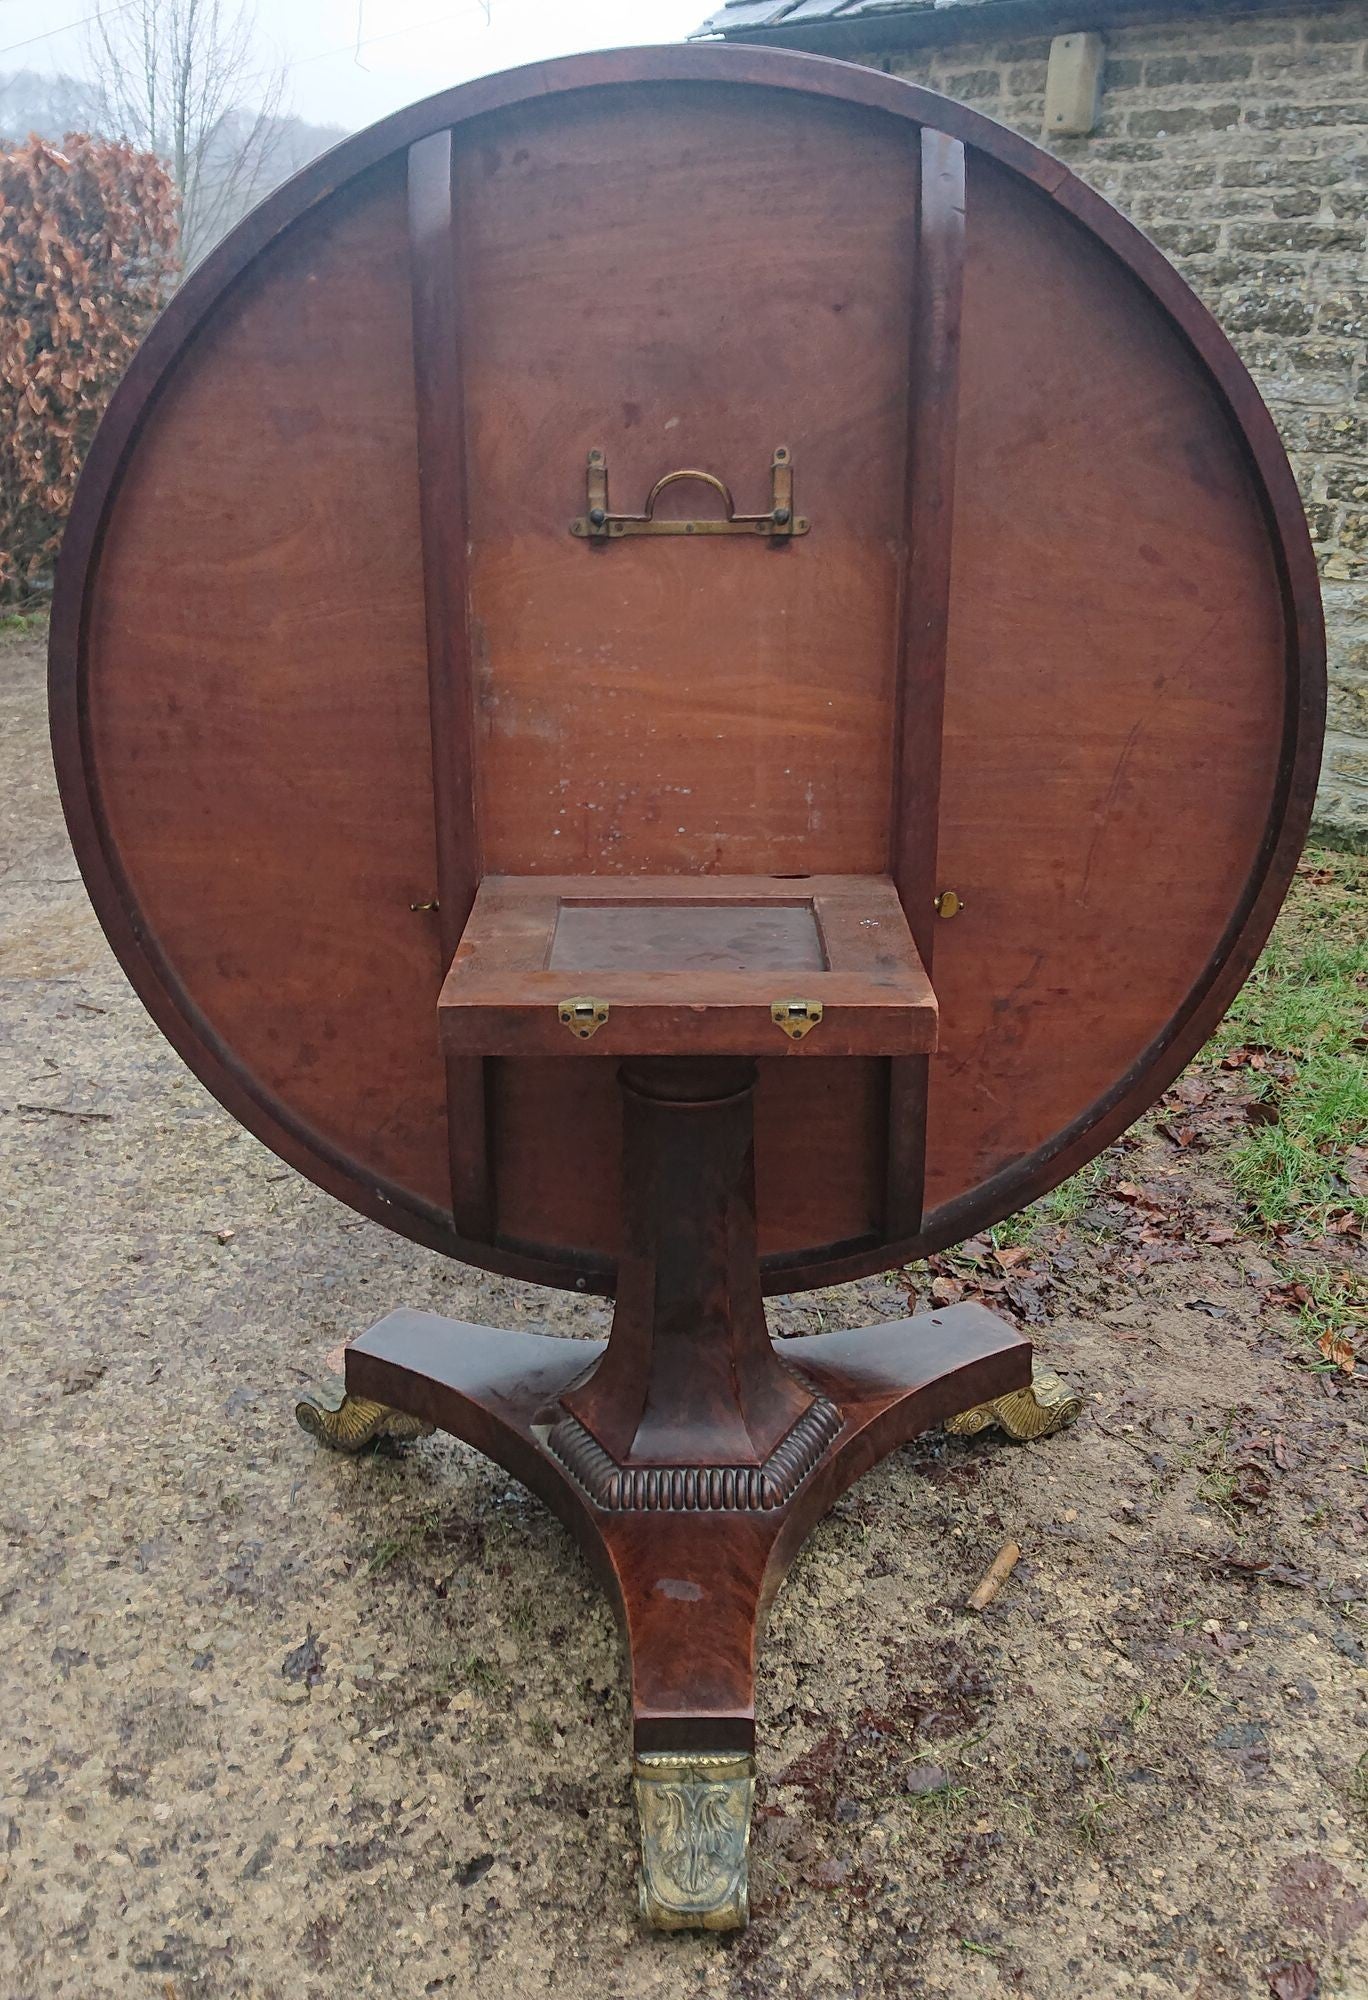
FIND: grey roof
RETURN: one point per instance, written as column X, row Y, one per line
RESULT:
column 846, row 24
column 736, row 16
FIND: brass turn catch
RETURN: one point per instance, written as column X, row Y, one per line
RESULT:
column 583, row 1016
column 948, row 904
column 796, row 1017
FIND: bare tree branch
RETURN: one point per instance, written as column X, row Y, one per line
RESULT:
column 182, row 79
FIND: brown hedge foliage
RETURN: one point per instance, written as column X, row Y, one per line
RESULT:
column 87, row 255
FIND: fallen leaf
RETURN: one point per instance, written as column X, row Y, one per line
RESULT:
column 305, row 1662
column 1291, row 1294
column 1252, row 1486
column 1336, row 1348
column 1315, row 1896
column 1266, row 1569
column 1293, row 1982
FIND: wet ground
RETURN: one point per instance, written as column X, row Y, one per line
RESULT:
column 283, row 1725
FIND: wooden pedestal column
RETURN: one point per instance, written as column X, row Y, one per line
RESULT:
column 692, row 1454
column 690, row 1377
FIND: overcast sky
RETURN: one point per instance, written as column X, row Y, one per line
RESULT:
column 408, row 48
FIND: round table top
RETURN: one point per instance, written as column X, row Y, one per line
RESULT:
column 325, row 650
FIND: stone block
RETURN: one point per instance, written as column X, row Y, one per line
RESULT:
column 1322, row 520
column 1184, row 239
column 1348, row 763
column 1027, row 80
column 1267, row 312
column 1271, row 169
column 1295, row 238
column 1295, row 202
column 1347, row 481
column 1322, row 357
column 1345, row 312
column 965, row 83
column 1182, row 118
column 1164, row 70
column 1347, row 708
column 1290, row 65
column 1336, row 24
column 1335, row 435
column 1301, row 117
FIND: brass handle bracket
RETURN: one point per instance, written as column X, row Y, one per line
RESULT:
column 583, row 1015
column 780, row 524
column 796, row 1017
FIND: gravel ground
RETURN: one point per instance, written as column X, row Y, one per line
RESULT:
column 289, row 1726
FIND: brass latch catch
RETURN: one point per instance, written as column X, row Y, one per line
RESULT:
column 583, row 1016
column 796, row 1017
column 780, row 524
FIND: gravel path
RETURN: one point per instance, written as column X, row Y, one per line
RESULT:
column 287, row 1726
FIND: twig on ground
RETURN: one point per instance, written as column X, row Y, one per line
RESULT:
column 64, row 1111
column 997, row 1573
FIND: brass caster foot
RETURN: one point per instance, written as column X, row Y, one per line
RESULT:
column 1046, row 1407
column 350, row 1423
column 695, row 1814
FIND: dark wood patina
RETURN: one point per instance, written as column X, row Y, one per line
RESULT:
column 363, row 720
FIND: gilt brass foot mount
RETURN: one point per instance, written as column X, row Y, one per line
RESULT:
column 352, row 1423
column 695, row 1815
column 1047, row 1406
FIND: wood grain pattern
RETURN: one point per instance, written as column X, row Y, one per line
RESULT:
column 256, row 684
column 669, row 707
column 1135, row 666
column 1115, row 585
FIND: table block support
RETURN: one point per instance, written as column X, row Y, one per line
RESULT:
column 690, row 1454
column 691, row 1589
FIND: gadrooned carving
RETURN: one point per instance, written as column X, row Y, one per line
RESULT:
column 696, row 1489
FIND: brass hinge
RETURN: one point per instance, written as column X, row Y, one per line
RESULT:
column 796, row 1017
column 583, row 1016
column 600, row 524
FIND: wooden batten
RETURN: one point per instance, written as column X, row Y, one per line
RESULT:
column 435, row 266
column 923, row 625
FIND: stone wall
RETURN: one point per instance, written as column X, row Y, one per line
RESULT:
column 1239, row 143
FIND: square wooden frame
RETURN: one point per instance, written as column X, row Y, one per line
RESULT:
column 502, row 997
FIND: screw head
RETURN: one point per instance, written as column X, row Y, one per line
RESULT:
column 597, row 516
column 782, row 516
